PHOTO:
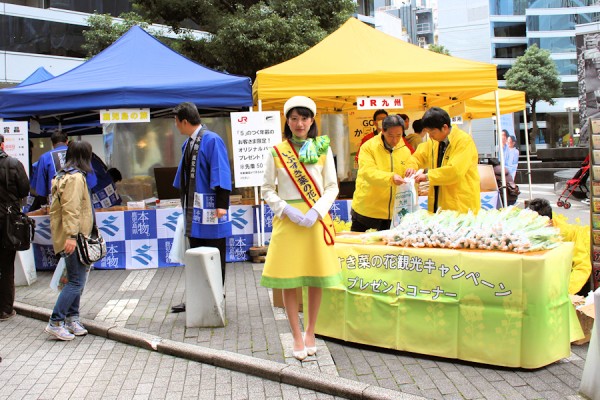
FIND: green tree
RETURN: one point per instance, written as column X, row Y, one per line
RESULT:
column 103, row 31
column 243, row 37
column 438, row 48
column 260, row 36
column 206, row 15
column 535, row 74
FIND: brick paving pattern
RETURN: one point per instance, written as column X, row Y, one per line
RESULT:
column 141, row 300
column 34, row 366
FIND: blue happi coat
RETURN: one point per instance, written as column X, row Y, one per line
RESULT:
column 212, row 170
column 47, row 166
column 104, row 193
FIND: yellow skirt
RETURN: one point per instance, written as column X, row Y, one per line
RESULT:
column 298, row 256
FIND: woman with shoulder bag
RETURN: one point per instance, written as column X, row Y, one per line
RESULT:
column 14, row 186
column 70, row 214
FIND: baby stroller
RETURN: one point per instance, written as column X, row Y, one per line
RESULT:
column 578, row 181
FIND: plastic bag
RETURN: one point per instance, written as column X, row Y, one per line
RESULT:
column 58, row 273
column 180, row 243
column 406, row 201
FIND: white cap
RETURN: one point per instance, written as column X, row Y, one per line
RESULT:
column 299, row 101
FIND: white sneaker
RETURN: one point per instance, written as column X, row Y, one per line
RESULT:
column 59, row 331
column 76, row 328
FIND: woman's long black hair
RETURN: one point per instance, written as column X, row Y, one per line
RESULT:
column 79, row 156
column 313, row 132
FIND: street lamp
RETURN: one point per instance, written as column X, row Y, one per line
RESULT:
column 570, row 108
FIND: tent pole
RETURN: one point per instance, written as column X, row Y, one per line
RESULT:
column 498, row 134
column 261, row 204
column 527, row 152
column 471, row 127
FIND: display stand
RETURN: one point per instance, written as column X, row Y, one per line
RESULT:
column 594, row 123
column 491, row 307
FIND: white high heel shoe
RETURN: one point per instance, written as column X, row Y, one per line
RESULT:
column 310, row 350
column 300, row 354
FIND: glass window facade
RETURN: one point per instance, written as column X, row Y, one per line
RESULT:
column 555, row 44
column 509, row 51
column 509, row 29
column 559, row 22
column 28, row 3
column 566, row 67
column 504, row 7
column 26, row 35
column 112, row 7
column 558, row 3
column 365, row 7
column 570, row 89
column 501, row 71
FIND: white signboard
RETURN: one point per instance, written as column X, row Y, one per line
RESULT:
column 253, row 134
column 16, row 143
column 377, row 102
column 124, row 115
column 457, row 120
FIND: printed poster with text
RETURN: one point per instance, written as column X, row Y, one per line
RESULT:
column 252, row 135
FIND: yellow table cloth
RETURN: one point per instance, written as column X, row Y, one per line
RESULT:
column 490, row 307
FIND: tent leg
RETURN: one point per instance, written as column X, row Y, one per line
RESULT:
column 498, row 134
column 527, row 152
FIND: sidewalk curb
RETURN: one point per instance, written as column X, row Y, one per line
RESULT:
column 266, row 369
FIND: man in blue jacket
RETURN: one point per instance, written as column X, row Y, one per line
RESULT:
column 204, row 181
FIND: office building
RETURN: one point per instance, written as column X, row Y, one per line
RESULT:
column 499, row 31
column 49, row 34
column 410, row 20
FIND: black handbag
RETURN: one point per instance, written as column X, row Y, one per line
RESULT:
column 19, row 229
column 91, row 248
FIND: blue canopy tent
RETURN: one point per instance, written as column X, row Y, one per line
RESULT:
column 137, row 70
column 39, row 75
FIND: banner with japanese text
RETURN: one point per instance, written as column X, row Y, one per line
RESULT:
column 16, row 142
column 360, row 123
column 497, row 308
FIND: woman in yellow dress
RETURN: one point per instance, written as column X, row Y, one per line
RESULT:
column 300, row 185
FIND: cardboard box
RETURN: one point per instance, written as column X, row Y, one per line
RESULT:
column 585, row 314
column 487, row 178
column 278, row 298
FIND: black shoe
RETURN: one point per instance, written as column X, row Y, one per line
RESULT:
column 178, row 308
column 6, row 316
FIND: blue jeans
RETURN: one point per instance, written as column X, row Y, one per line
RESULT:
column 67, row 304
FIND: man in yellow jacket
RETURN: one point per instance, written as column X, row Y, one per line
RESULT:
column 581, row 268
column 450, row 157
column 381, row 168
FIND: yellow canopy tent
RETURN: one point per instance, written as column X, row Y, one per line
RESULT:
column 357, row 60
column 485, row 106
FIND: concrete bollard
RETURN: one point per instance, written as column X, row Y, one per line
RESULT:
column 204, row 302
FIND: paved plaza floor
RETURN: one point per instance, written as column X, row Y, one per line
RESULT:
column 140, row 300
column 35, row 366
